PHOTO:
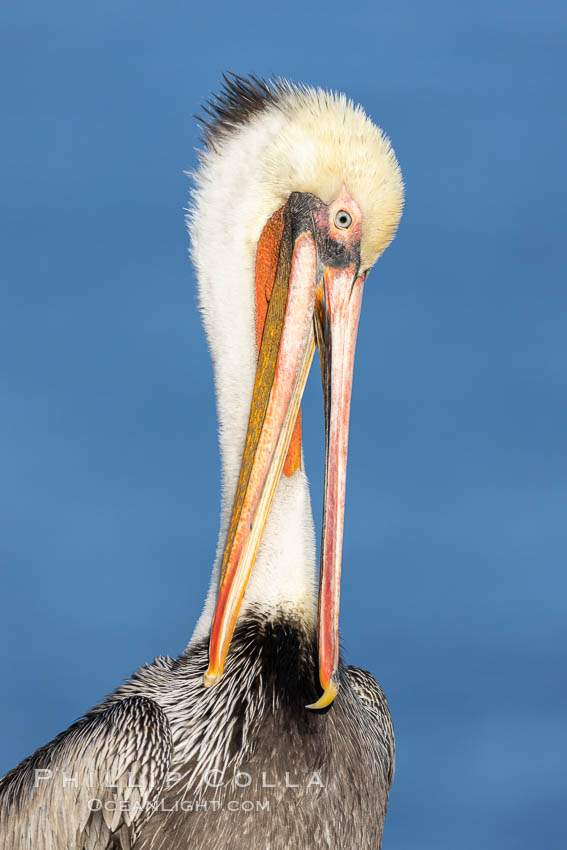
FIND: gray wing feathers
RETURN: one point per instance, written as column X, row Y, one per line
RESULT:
column 374, row 700
column 92, row 787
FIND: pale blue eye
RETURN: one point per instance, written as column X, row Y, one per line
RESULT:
column 343, row 219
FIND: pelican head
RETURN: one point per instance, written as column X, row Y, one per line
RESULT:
column 297, row 195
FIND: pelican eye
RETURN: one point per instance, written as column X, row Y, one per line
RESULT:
column 343, row 219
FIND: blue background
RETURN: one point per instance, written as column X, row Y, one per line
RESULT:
column 454, row 560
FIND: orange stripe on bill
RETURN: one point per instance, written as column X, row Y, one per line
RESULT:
column 315, row 292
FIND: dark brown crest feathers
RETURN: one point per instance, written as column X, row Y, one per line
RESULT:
column 239, row 99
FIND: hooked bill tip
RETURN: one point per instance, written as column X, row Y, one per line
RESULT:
column 210, row 678
column 326, row 697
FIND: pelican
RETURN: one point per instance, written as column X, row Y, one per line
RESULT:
column 257, row 736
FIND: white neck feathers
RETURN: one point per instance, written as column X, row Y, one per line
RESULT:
column 229, row 211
